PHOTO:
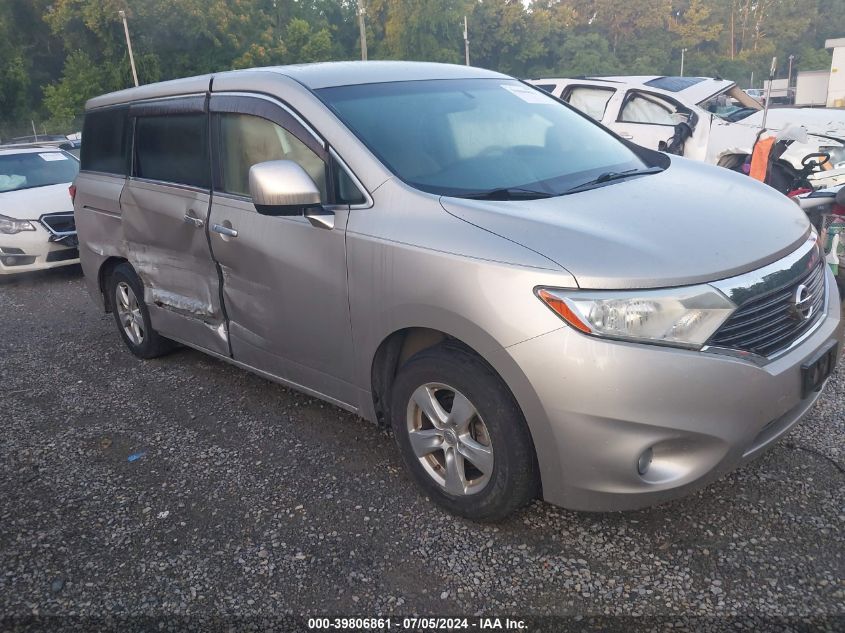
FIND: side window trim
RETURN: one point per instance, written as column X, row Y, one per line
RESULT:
column 281, row 114
column 215, row 145
column 183, row 104
column 651, row 97
column 272, row 110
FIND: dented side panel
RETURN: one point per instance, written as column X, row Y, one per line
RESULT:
column 285, row 291
column 173, row 259
column 99, row 225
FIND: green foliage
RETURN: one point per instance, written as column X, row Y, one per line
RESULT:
column 81, row 80
column 55, row 54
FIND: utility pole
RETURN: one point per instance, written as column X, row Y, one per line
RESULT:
column 361, row 12
column 683, row 50
column 466, row 42
column 772, row 71
column 789, row 78
column 122, row 15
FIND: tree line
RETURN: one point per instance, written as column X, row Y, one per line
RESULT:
column 55, row 54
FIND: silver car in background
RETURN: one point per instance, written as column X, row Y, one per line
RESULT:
column 535, row 306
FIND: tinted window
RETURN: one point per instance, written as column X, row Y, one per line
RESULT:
column 546, row 87
column 106, row 147
column 346, row 190
column 673, row 84
column 36, row 169
column 172, row 148
column 465, row 137
column 246, row 140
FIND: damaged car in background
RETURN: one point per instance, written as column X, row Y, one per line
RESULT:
column 37, row 229
column 712, row 120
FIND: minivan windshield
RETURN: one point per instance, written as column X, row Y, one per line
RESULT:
column 27, row 170
column 474, row 136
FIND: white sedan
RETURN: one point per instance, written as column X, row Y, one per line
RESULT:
column 37, row 228
column 723, row 119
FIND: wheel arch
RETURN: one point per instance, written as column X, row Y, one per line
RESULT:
column 400, row 345
column 103, row 273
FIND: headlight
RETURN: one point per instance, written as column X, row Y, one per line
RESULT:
column 682, row 317
column 10, row 226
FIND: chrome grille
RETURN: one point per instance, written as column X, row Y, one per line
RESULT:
column 59, row 224
column 770, row 322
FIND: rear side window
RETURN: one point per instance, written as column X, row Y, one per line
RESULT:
column 107, row 141
column 173, row 148
column 591, row 101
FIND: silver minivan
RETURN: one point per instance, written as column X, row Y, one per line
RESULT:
column 536, row 306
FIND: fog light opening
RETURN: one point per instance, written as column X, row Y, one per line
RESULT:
column 644, row 462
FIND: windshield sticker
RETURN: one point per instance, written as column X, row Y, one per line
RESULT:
column 53, row 156
column 529, row 95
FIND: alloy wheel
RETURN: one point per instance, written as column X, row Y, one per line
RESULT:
column 129, row 313
column 450, row 439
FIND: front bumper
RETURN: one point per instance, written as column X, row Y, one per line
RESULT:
column 601, row 404
column 33, row 250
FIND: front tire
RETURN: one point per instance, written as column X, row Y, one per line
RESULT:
column 461, row 434
column 126, row 294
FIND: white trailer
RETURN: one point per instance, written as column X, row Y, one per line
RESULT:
column 836, row 84
column 811, row 88
column 780, row 89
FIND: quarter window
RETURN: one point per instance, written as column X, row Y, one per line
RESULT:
column 107, row 141
column 346, row 191
column 172, row 148
column 246, row 140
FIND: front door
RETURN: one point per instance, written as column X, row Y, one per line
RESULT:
column 284, row 280
column 165, row 211
column 649, row 119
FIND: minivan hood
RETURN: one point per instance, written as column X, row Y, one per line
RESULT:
column 31, row 204
column 692, row 223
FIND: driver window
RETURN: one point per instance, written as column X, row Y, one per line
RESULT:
column 246, row 140
column 641, row 109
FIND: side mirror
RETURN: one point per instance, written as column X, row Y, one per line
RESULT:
column 840, row 196
column 282, row 187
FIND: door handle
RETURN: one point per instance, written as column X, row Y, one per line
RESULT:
column 626, row 135
column 321, row 218
column 224, row 230
column 192, row 219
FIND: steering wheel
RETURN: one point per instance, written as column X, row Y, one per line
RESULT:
column 809, row 162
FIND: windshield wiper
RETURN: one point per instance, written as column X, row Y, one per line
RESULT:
column 609, row 176
column 509, row 193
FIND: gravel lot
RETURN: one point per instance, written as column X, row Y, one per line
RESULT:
column 253, row 500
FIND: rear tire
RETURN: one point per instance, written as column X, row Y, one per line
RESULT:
column 126, row 296
column 461, row 434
